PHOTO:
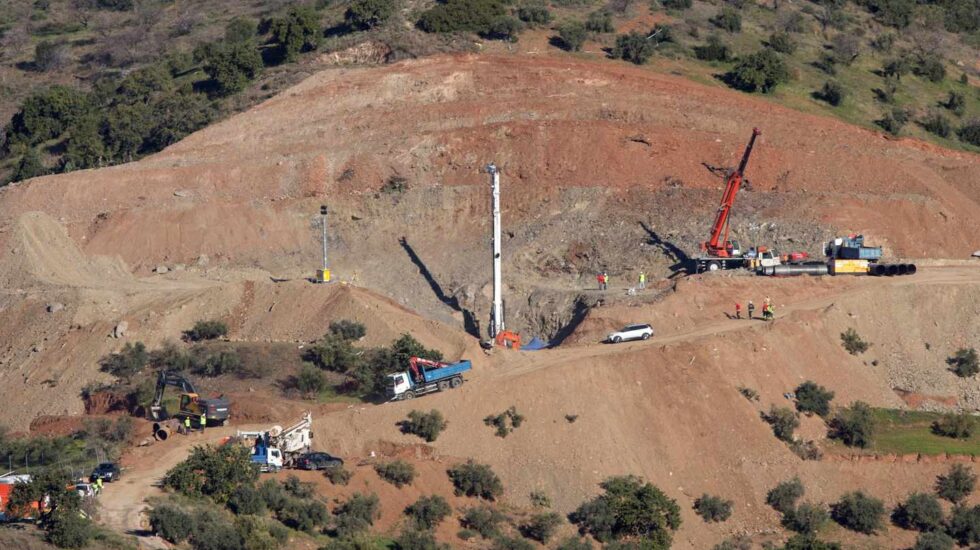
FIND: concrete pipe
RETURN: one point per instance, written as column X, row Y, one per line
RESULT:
column 911, row 269
column 902, row 269
column 162, row 434
column 156, row 427
column 891, row 270
column 877, row 270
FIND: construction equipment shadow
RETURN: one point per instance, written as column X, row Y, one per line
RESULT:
column 683, row 264
column 470, row 324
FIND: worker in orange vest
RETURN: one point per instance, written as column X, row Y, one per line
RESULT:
column 738, row 310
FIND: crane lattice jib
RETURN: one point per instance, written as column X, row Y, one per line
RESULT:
column 717, row 243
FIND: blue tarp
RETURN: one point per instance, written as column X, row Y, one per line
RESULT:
column 534, row 345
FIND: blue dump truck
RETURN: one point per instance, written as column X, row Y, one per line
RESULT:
column 425, row 377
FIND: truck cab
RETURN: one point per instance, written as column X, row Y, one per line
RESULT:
column 398, row 384
column 268, row 459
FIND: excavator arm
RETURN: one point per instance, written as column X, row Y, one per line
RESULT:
column 718, row 244
column 167, row 378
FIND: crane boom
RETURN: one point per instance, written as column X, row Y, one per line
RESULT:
column 718, row 244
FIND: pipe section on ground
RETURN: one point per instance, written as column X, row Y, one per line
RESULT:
column 911, row 269
column 792, row 270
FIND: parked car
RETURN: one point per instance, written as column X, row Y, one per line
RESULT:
column 630, row 332
column 107, row 471
column 318, row 461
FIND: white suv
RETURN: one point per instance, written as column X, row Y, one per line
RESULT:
column 631, row 332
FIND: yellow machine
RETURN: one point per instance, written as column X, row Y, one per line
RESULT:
column 323, row 275
column 848, row 267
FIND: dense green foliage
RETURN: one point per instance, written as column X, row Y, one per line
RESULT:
column 714, row 50
column 428, row 512
column 127, row 362
column 348, row 330
column 428, row 425
column 629, row 508
column 572, row 35
column 297, row 31
column 482, row 519
column 356, row 514
column 852, row 342
column 599, row 21
column 934, row 540
column 366, row 14
column 758, row 72
column 207, row 330
column 396, row 472
column 957, row 484
column 964, row 524
column 813, row 398
column 475, row 480
column 728, row 19
column 920, row 511
column 462, row 15
column 958, row 426
column 212, row 472
column 859, row 512
column 783, row 421
column 783, row 497
column 712, row 508
column 806, row 519
column 541, row 526
column 854, row 425
column 966, row 362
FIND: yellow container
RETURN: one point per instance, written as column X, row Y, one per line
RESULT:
column 323, row 275
column 849, row 267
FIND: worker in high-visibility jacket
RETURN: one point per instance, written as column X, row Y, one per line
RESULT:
column 204, row 422
column 98, row 486
column 187, row 425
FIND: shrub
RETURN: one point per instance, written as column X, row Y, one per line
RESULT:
column 505, row 422
column 504, row 27
column 897, row 67
column 599, row 21
column 959, row 426
column 853, row 425
column 338, row 475
column 965, row 362
column 216, row 363
column 893, row 122
column 783, row 421
column 957, row 484
column 738, row 542
column 712, row 508
column 127, row 362
column 629, row 508
column 348, row 330
column 29, row 166
column 304, row 515
column 813, row 398
column 859, row 512
column 428, row 425
column 761, row 71
column 852, row 342
column 541, row 527
column 677, row 4
column 428, row 512
column 728, row 19
column 832, row 92
column 366, row 14
column 809, row 542
column 504, row 542
column 783, row 497
column 230, row 65
column 69, row 529
column 936, row 123
column 539, row 499
column 246, row 500
column 782, row 42
column 171, row 523
column 847, row 48
column 574, row 543
column 964, row 524
column 920, row 511
column 970, row 133
column 356, row 515
column 50, row 56
column 572, row 35
column 310, row 381
column 956, row 102
column 633, row 47
column 213, row 472
column 396, row 472
column 475, row 480
column 930, row 67
column 535, row 14
column 297, row 488
column 934, row 540
column 334, row 352
column 461, row 15
column 207, row 330
column 240, row 29
column 482, row 519
column 413, row 539
column 806, row 519
column 296, row 32
column 272, row 494
column 714, row 50
column 883, row 42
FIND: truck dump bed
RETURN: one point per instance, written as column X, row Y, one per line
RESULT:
column 432, row 375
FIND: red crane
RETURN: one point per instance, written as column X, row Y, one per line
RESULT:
column 720, row 246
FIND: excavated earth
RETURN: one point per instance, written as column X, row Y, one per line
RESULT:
column 605, row 166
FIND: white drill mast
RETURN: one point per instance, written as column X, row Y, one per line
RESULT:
column 497, row 315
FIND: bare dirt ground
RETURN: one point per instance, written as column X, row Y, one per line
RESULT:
column 602, row 169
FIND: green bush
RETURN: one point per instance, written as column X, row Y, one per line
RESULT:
column 504, row 27
column 852, row 342
column 965, row 362
column 216, row 362
column 505, row 422
column 738, row 542
column 230, row 65
column 246, row 500
column 541, row 527
column 428, row 512
column 348, row 330
column 396, row 472
column 534, row 14
column 356, row 514
column 539, row 499
column 883, row 42
column 240, row 29
column 475, row 480
column 782, row 42
column 366, row 14
column 956, row 103
column 29, row 166
column 807, row 518
column 572, row 35
column 338, row 475
column 304, row 515
column 958, row 426
column 783, row 421
column 894, row 13
column 171, row 523
column 714, row 50
column 482, row 519
column 783, row 497
column 69, row 529
column 809, row 542
column 934, row 540
column 334, row 352
column 677, row 4
column 893, row 123
column 207, row 330
column 957, row 484
column 273, row 494
column 297, row 31
column 920, row 511
column 761, row 71
column 310, row 381
column 461, row 15
column 504, row 542
column 413, row 539
column 712, row 508
column 970, row 133
column 633, row 47
column 47, row 114
column 629, row 508
column 126, row 363
column 859, row 512
column 964, row 524
column 213, row 472
column 728, row 20
column 297, row 488
column 50, row 56
column 936, row 123
column 574, row 543
column 853, row 425
column 930, row 67
column 832, row 92
column 813, row 398
column 599, row 21
column 428, row 425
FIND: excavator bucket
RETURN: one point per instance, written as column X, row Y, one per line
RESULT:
column 508, row 339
